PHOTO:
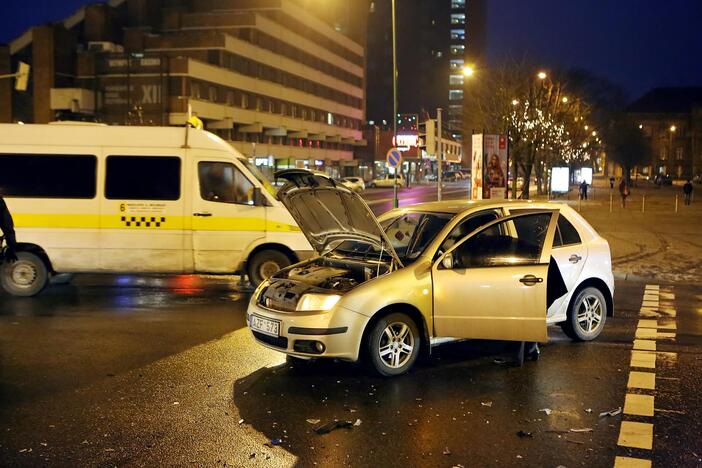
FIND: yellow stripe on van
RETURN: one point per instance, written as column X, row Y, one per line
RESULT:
column 156, row 222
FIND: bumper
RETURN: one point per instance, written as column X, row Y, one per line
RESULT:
column 339, row 330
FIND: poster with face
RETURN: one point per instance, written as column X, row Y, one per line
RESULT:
column 477, row 168
column 495, row 166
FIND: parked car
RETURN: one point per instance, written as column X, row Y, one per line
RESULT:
column 663, row 179
column 452, row 176
column 697, row 179
column 388, row 180
column 384, row 289
column 354, row 183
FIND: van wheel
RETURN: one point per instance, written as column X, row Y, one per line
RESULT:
column 27, row 276
column 265, row 264
column 393, row 345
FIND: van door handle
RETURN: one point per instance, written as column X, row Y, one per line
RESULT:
column 204, row 215
column 530, row 280
column 575, row 258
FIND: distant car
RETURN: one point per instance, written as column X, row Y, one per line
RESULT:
column 388, row 180
column 697, row 179
column 452, row 176
column 354, row 183
column 385, row 289
column 663, row 179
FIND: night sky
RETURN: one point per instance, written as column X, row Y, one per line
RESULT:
column 638, row 44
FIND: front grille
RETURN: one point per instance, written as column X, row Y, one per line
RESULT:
column 279, row 342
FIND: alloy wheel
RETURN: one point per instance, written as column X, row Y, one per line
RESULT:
column 396, row 345
column 589, row 313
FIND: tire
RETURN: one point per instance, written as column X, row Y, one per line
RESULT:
column 386, row 354
column 266, row 263
column 372, row 185
column 27, row 277
column 591, row 322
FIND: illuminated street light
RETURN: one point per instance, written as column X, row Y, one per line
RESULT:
column 542, row 75
column 673, row 128
column 565, row 99
column 515, row 102
column 468, row 70
column 587, row 127
column 594, row 133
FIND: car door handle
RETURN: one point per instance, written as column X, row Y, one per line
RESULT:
column 530, row 280
column 204, row 215
column 575, row 258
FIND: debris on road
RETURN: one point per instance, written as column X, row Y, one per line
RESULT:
column 523, row 434
column 314, row 421
column 447, row 451
column 486, row 403
column 548, row 411
column 241, row 421
column 357, row 423
column 612, row 413
column 584, row 429
column 589, row 410
column 333, row 425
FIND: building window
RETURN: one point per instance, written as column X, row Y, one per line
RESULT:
column 456, row 64
column 458, row 49
column 244, row 101
column 456, row 80
column 457, row 4
column 458, row 34
column 195, row 90
column 48, row 176
column 678, row 154
column 663, row 154
column 330, row 118
column 458, row 18
column 213, row 94
column 142, row 178
column 455, row 95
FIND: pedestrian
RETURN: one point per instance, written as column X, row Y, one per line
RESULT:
column 611, row 183
column 7, row 226
column 687, row 190
column 583, row 190
column 624, row 191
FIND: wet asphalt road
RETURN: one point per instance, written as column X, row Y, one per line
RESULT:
column 162, row 370
column 145, row 371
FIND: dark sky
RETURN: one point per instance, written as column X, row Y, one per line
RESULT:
column 636, row 43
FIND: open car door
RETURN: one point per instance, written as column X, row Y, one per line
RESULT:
column 492, row 284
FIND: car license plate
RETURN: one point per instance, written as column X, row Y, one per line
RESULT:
column 266, row 326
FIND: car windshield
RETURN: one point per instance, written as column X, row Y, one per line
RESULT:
column 410, row 233
column 259, row 176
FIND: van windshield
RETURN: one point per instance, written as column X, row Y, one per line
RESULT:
column 259, row 176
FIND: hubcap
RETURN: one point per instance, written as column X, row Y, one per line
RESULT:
column 396, row 345
column 268, row 269
column 589, row 313
column 23, row 274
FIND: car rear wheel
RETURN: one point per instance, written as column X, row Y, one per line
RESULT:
column 265, row 264
column 372, row 185
column 587, row 315
column 26, row 277
column 393, row 345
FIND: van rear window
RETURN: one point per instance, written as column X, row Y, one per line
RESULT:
column 48, row 175
column 142, row 178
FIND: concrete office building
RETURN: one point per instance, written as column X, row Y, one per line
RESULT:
column 284, row 85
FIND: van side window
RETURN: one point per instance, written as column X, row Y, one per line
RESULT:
column 48, row 175
column 224, row 183
column 142, row 178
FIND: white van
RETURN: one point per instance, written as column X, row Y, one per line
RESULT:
column 98, row 198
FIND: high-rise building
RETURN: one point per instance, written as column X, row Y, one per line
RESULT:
column 434, row 43
column 282, row 80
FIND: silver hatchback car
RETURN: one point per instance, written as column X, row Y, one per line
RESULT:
column 385, row 289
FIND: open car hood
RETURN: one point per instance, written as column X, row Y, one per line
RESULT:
column 329, row 213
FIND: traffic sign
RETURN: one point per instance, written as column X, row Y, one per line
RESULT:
column 393, row 157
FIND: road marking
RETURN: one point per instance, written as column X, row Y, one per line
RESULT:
column 666, row 336
column 650, row 303
column 643, row 359
column 668, row 326
column 638, row 405
column 646, row 380
column 628, row 462
column 645, row 345
column 654, row 287
column 636, row 435
column 648, row 323
column 646, row 333
column 650, row 297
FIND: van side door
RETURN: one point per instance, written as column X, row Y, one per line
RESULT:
column 225, row 218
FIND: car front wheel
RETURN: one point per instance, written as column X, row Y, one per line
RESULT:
column 393, row 345
column 587, row 315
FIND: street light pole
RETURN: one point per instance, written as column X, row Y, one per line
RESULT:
column 439, row 151
column 395, row 202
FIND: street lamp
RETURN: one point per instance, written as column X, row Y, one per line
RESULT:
column 468, row 70
column 565, row 99
column 542, row 75
column 673, row 128
column 515, row 102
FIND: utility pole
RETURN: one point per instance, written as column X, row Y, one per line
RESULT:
column 395, row 202
column 439, row 151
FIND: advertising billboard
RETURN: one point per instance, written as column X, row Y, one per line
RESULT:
column 560, row 179
column 476, row 192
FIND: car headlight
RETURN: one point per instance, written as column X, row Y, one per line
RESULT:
column 317, row 302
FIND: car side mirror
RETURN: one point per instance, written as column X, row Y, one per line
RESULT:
column 447, row 262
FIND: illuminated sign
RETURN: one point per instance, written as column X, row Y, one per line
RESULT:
column 560, row 179
column 407, row 140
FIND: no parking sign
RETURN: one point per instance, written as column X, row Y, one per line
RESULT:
column 393, row 157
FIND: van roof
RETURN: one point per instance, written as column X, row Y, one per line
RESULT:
column 92, row 134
